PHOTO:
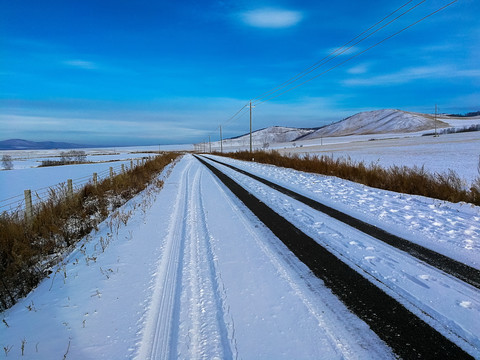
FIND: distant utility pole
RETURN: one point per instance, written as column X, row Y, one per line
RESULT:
column 221, row 140
column 209, row 144
column 250, row 125
column 435, row 121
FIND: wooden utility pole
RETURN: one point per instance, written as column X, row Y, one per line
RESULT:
column 435, row 120
column 250, row 125
column 221, row 140
column 28, row 206
column 209, row 144
column 69, row 188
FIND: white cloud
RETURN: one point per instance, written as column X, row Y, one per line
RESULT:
column 414, row 73
column 358, row 69
column 81, row 64
column 272, row 18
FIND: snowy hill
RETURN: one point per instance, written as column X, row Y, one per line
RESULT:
column 378, row 122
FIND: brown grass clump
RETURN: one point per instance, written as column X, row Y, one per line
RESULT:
column 28, row 249
column 415, row 181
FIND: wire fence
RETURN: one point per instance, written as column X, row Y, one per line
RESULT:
column 18, row 202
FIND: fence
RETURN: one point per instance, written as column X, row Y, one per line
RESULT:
column 30, row 198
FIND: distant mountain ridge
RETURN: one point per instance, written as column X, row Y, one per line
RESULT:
column 20, row 144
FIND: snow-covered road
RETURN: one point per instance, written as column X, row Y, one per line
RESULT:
column 194, row 274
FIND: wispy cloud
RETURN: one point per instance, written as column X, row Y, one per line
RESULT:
column 343, row 51
column 81, row 64
column 271, row 18
column 358, row 69
column 411, row 74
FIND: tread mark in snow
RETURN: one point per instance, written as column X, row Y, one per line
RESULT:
column 208, row 337
column 160, row 334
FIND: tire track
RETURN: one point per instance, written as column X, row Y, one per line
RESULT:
column 202, row 319
column 161, row 331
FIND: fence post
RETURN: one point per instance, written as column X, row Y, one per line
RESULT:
column 138, row 162
column 95, row 179
column 28, row 205
column 131, row 164
column 69, row 188
column 123, row 168
column 111, row 172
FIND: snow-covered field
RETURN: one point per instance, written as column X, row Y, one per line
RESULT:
column 26, row 173
column 194, row 274
column 458, row 152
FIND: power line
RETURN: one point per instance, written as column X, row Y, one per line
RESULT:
column 322, row 61
column 234, row 116
column 360, row 53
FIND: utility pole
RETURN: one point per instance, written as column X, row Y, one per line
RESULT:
column 209, row 144
column 435, row 121
column 221, row 140
column 250, row 125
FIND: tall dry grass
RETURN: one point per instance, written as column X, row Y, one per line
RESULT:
column 28, row 249
column 415, row 181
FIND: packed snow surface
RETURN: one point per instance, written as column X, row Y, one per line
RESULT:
column 193, row 274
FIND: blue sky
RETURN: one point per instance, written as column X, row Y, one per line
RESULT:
column 118, row 72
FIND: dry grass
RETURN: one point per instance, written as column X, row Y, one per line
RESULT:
column 416, row 181
column 28, row 249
